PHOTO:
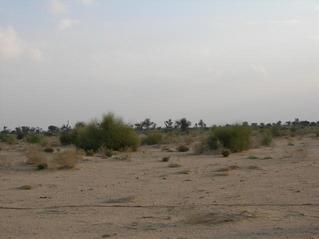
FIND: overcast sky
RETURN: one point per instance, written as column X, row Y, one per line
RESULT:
column 222, row 61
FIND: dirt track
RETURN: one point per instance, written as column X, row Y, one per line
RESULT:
column 206, row 196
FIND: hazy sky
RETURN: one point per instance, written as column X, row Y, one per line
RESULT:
column 222, row 61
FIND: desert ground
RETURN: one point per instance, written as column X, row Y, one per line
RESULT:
column 266, row 192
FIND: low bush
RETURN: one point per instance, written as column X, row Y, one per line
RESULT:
column 153, row 138
column 266, row 138
column 198, row 148
column 35, row 156
column 105, row 151
column 236, row 138
column 33, row 138
column 212, row 141
column 67, row 137
column 8, row 138
column 111, row 132
column 66, row 159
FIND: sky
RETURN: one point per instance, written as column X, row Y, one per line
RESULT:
column 223, row 61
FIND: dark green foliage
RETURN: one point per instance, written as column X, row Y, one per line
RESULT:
column 169, row 124
column 212, row 141
column 236, row 138
column 33, row 138
column 146, row 124
column 67, row 137
column 89, row 137
column 182, row 124
column 275, row 131
column 111, row 132
column 153, row 138
column 8, row 138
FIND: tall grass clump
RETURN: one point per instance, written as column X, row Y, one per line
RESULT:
column 153, row 138
column 34, row 138
column 110, row 132
column 8, row 138
column 236, row 137
column 266, row 138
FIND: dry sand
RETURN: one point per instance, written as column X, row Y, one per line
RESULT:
column 203, row 196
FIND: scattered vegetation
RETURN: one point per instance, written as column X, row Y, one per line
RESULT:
column 33, row 139
column 266, row 138
column 65, row 159
column 8, row 138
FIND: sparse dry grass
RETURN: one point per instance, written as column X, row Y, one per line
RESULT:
column 65, row 159
column 35, row 156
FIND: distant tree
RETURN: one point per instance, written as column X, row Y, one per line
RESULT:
column 169, row 124
column 79, row 124
column 147, row 124
column 182, row 124
column 66, row 127
column 53, row 129
column 201, row 124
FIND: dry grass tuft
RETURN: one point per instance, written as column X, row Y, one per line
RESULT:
column 64, row 160
column 60, row 160
column 35, row 156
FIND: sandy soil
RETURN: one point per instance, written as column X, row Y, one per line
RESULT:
column 203, row 196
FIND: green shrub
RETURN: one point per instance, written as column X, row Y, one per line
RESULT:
column 236, row 138
column 33, row 138
column 266, row 138
column 8, row 138
column 212, row 141
column 88, row 137
column 67, row 137
column 275, row 131
column 153, row 138
column 111, row 133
